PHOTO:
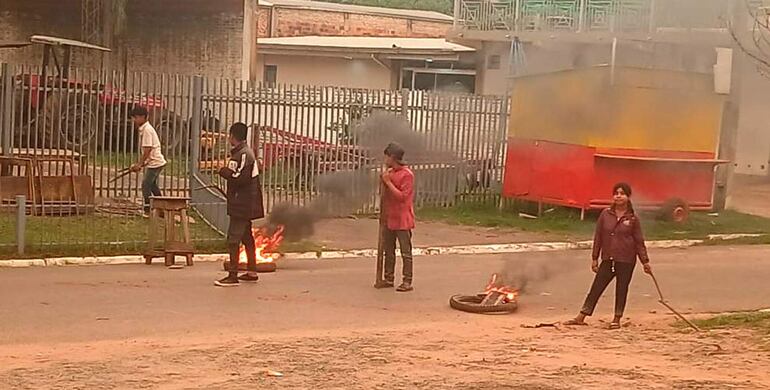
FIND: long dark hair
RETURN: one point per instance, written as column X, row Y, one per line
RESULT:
column 627, row 190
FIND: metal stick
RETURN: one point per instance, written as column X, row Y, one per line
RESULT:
column 214, row 186
column 664, row 303
column 121, row 173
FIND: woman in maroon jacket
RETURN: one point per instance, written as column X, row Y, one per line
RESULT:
column 618, row 241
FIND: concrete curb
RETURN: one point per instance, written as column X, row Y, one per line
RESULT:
column 371, row 253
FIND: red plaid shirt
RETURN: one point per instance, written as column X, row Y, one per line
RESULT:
column 399, row 209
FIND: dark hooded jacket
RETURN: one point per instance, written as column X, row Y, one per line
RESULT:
column 244, row 190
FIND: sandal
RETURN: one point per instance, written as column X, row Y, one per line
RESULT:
column 574, row 322
column 614, row 326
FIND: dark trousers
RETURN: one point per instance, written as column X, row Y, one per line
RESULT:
column 404, row 238
column 150, row 186
column 609, row 270
column 239, row 232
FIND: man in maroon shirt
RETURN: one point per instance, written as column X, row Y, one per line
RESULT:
column 398, row 206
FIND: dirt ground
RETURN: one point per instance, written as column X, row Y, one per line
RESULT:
column 321, row 325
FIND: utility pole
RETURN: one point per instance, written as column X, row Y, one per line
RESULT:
column 731, row 114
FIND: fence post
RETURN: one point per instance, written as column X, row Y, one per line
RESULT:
column 196, row 124
column 404, row 102
column 21, row 222
column 6, row 125
column 502, row 143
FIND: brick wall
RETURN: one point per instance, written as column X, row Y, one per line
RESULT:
column 175, row 36
column 21, row 18
column 185, row 36
column 299, row 22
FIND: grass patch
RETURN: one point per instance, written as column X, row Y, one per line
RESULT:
column 95, row 235
column 567, row 221
column 756, row 322
column 88, row 235
column 488, row 215
column 759, row 321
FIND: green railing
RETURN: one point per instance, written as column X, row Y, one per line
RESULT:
column 592, row 15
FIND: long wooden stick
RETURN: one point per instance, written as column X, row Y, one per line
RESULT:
column 664, row 303
column 379, row 280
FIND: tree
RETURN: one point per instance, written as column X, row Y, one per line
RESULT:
column 754, row 41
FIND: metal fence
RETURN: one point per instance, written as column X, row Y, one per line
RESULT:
column 66, row 140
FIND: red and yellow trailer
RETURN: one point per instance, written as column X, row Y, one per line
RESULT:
column 574, row 134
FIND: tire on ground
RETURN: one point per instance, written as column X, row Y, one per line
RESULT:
column 472, row 304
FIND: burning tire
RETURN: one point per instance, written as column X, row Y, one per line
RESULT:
column 473, row 304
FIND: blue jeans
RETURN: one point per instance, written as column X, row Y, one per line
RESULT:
column 150, row 186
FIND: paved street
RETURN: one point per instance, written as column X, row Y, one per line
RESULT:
column 111, row 312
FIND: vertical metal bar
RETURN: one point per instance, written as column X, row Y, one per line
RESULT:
column 26, row 92
column 283, row 196
column 289, row 127
column 196, row 125
column 461, row 107
column 269, row 125
column 21, row 223
column 165, row 179
column 447, row 168
column 307, row 144
column 6, row 127
column 192, row 159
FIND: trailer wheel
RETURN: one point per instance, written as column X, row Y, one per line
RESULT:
column 675, row 210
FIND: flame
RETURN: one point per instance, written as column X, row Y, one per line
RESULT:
column 266, row 245
column 511, row 294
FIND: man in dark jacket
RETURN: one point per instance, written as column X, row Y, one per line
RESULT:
column 244, row 204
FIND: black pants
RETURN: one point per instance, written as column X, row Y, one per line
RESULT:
column 607, row 271
column 404, row 238
column 239, row 232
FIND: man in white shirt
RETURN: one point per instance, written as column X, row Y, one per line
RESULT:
column 152, row 160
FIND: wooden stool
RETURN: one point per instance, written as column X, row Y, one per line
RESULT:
column 165, row 208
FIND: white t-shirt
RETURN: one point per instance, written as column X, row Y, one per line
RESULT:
column 148, row 138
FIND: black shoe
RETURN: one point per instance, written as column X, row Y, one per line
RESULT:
column 383, row 284
column 405, row 287
column 248, row 278
column 229, row 281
